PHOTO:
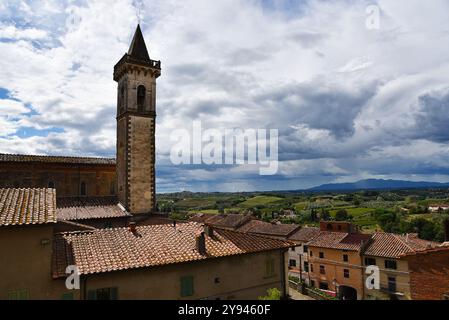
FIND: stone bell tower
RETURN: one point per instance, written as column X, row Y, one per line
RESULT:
column 136, row 75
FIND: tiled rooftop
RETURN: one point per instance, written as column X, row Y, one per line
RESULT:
column 391, row 245
column 27, row 206
column 304, row 234
column 55, row 159
column 106, row 250
column 89, row 208
column 231, row 221
column 340, row 240
column 269, row 229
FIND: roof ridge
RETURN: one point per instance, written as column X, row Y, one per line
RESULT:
column 54, row 156
column 402, row 241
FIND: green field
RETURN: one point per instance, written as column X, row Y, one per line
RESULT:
column 361, row 216
column 211, row 211
column 260, row 201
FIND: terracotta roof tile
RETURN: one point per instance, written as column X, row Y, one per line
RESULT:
column 340, row 240
column 55, row 159
column 27, row 206
column 391, row 245
column 270, row 229
column 305, row 234
column 89, row 208
column 231, row 220
column 106, row 250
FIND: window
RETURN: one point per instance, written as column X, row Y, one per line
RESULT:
column 217, row 280
column 322, row 270
column 306, row 248
column 321, row 255
column 345, row 258
column 339, row 227
column 83, row 189
column 306, row 266
column 22, row 294
column 141, row 95
column 112, row 188
column 103, row 294
column 312, row 283
column 68, row 296
column 390, row 264
column 324, row 286
column 311, row 268
column 187, row 286
column 391, row 284
column 51, row 184
column 329, row 227
column 346, row 273
column 370, row 262
column 269, row 267
column 292, row 263
column 311, row 253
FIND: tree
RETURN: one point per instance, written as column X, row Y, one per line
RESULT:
column 325, row 215
column 272, row 294
column 341, row 215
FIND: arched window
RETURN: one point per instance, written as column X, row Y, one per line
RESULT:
column 51, row 184
column 141, row 95
column 83, row 190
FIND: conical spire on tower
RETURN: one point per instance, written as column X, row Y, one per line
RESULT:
column 138, row 49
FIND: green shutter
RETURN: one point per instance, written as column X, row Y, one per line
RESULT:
column 92, row 295
column 12, row 295
column 22, row 294
column 68, row 296
column 187, row 286
column 114, row 293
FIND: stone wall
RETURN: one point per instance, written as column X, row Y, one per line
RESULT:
column 99, row 180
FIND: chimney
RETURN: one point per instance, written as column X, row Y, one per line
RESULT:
column 201, row 244
column 174, row 224
column 209, row 230
column 446, row 230
column 132, row 227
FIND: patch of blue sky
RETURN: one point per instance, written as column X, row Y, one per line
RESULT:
column 27, row 132
column 290, row 8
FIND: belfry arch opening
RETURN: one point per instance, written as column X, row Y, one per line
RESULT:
column 141, row 96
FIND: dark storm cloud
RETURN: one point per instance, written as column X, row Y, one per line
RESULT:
column 433, row 117
column 320, row 106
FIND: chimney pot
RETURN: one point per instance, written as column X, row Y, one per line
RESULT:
column 201, row 244
column 132, row 227
column 209, row 230
column 446, row 229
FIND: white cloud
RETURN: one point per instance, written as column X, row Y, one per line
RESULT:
column 338, row 92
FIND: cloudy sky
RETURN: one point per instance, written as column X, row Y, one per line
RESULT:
column 350, row 102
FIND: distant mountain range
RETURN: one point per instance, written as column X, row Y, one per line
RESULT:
column 378, row 184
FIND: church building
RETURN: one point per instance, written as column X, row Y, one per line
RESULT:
column 100, row 216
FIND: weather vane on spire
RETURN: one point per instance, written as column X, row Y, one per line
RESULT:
column 138, row 4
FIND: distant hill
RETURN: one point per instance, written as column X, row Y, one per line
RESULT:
column 378, row 184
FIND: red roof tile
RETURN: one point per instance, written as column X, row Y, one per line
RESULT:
column 89, row 208
column 391, row 245
column 305, row 234
column 230, row 220
column 269, row 229
column 106, row 250
column 27, row 206
column 340, row 240
column 55, row 159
